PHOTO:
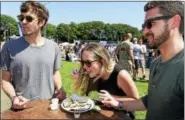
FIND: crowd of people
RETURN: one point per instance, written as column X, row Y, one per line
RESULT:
column 30, row 64
column 130, row 53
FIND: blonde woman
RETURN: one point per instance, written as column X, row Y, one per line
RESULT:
column 99, row 72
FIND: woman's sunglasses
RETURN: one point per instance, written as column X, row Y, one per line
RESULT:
column 87, row 62
column 28, row 18
column 148, row 23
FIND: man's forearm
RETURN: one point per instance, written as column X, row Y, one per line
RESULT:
column 8, row 88
column 131, row 103
column 57, row 80
column 131, row 56
column 124, row 98
column 7, row 85
column 134, row 105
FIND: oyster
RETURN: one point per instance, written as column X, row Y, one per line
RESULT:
column 83, row 100
column 68, row 102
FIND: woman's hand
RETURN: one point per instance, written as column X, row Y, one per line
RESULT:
column 107, row 99
column 75, row 74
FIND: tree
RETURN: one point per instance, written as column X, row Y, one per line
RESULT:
column 51, row 31
column 95, row 30
column 73, row 31
column 62, row 32
column 84, row 31
column 9, row 24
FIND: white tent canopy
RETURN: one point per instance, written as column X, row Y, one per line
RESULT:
column 64, row 44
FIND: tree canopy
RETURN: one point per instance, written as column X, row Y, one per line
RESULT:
column 93, row 30
column 9, row 23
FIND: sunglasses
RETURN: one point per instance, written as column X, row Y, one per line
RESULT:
column 28, row 18
column 87, row 62
column 148, row 23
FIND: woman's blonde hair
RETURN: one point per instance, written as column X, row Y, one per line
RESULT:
column 99, row 53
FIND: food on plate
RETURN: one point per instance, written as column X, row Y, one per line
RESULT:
column 68, row 102
column 76, row 102
column 71, row 103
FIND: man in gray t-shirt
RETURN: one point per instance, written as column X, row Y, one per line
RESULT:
column 31, row 63
column 31, row 67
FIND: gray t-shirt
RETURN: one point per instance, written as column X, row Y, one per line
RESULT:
column 165, row 99
column 31, row 67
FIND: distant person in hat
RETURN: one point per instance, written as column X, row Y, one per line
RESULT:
column 124, row 52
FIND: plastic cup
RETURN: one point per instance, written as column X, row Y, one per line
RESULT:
column 54, row 106
column 54, row 101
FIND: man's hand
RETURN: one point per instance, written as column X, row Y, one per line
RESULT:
column 60, row 94
column 19, row 102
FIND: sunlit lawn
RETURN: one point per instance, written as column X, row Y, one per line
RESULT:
column 66, row 70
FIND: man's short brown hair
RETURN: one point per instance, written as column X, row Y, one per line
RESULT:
column 170, row 8
column 37, row 8
column 127, row 36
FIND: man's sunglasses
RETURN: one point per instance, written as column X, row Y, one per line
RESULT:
column 148, row 23
column 87, row 62
column 28, row 18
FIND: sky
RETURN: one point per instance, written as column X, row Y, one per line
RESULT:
column 131, row 13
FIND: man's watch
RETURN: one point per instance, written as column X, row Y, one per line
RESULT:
column 12, row 98
column 121, row 105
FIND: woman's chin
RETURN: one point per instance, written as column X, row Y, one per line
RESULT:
column 91, row 76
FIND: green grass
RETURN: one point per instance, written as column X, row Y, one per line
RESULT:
column 67, row 83
column 142, row 87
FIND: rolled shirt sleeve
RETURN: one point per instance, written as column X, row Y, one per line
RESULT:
column 5, row 58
